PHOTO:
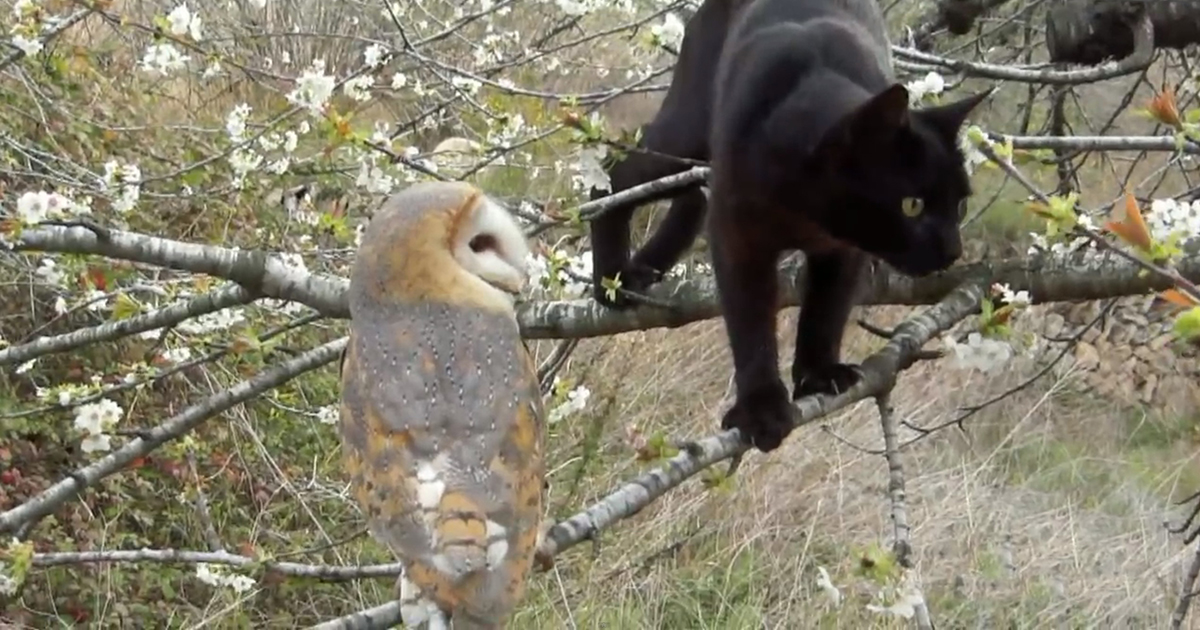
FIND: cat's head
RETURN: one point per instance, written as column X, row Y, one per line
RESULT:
column 894, row 181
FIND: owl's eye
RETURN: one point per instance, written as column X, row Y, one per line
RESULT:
column 962, row 208
column 483, row 242
column 912, row 206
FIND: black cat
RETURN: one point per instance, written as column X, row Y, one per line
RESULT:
column 814, row 147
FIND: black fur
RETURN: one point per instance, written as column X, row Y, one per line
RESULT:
column 814, row 147
column 678, row 129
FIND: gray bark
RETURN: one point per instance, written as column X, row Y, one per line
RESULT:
column 1091, row 31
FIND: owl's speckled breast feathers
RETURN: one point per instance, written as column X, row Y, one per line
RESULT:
column 441, row 424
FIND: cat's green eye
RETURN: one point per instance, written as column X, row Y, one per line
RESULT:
column 962, row 208
column 912, row 206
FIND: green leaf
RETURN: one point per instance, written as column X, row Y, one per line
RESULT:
column 610, row 286
column 976, row 135
column 717, row 480
column 1187, row 325
column 878, row 564
column 125, row 307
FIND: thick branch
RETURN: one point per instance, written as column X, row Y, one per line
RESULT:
column 958, row 16
column 879, row 374
column 382, row 616
column 51, row 498
column 257, row 271
column 1049, row 280
column 1143, row 53
column 1090, row 31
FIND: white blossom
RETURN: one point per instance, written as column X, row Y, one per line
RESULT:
column 235, row 123
column 589, row 169
column 162, row 59
column 670, row 32
column 1018, row 299
column 575, row 402
column 181, row 20
column 217, row 576
column 930, row 84
column 328, row 414
column 313, row 88
column 979, row 353
column 373, row 55
column 359, row 88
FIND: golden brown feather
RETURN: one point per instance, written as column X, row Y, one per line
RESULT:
column 441, row 415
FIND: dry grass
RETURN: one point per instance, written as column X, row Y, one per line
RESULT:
column 1048, row 512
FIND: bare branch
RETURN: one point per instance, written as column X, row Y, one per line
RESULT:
column 51, row 498
column 1186, row 594
column 902, row 545
column 1048, row 279
column 328, row 573
column 224, row 297
column 1143, row 54
column 1100, row 143
column 879, row 373
column 377, row 618
column 257, row 271
column 1089, row 31
column 71, row 20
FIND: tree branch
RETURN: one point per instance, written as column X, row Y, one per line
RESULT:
column 1049, row 279
column 902, row 544
column 1143, row 54
column 51, row 498
column 222, row 298
column 71, row 20
column 879, row 373
column 1186, row 594
column 328, row 573
column 258, row 272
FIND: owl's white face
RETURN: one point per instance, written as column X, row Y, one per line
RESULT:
column 491, row 246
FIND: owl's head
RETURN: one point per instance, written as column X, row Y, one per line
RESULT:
column 441, row 242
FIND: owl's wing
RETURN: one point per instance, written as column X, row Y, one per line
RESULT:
column 450, row 442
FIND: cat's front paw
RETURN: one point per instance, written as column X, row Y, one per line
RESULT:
column 763, row 416
column 832, row 379
column 635, row 278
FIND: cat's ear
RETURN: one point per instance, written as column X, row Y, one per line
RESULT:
column 875, row 121
column 881, row 116
column 949, row 117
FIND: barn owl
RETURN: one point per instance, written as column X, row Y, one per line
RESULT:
column 441, row 417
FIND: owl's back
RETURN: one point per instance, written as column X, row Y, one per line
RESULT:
column 441, row 426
